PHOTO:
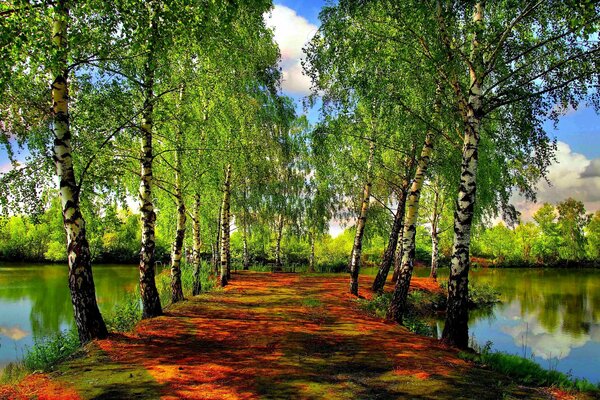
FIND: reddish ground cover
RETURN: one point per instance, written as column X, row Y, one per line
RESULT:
column 273, row 336
column 40, row 387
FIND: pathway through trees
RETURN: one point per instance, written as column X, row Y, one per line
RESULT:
column 272, row 336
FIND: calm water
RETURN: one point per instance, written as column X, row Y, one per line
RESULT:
column 551, row 315
column 35, row 302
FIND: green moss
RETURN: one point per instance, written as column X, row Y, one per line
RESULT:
column 310, row 302
column 95, row 376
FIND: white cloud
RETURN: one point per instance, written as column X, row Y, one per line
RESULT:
column 291, row 32
column 13, row 332
column 573, row 175
column 547, row 345
column 4, row 168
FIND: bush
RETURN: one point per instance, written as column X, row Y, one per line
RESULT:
column 378, row 305
column 482, row 294
column 126, row 314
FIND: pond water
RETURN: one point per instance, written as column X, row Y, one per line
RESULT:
column 35, row 302
column 551, row 315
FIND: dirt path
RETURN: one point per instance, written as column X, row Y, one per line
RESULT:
column 273, row 336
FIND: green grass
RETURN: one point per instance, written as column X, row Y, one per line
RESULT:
column 43, row 355
column 49, row 351
column 527, row 371
column 126, row 314
column 311, row 303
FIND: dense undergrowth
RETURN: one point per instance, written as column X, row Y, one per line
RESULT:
column 48, row 351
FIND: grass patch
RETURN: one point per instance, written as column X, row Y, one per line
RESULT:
column 527, row 371
column 378, row 305
column 13, row 373
column 43, row 355
column 50, row 350
column 126, row 314
column 311, row 303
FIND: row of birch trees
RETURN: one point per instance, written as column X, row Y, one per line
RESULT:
column 173, row 102
column 450, row 95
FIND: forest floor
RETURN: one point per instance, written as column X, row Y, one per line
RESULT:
column 271, row 336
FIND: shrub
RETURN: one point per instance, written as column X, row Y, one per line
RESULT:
column 379, row 305
column 50, row 350
column 126, row 314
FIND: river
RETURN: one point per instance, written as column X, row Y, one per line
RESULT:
column 550, row 315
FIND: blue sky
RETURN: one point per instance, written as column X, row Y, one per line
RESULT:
column 577, row 172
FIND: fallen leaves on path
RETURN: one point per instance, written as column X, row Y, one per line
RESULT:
column 286, row 336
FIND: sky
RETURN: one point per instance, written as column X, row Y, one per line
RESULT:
column 576, row 172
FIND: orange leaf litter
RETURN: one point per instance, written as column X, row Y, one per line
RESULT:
column 257, row 336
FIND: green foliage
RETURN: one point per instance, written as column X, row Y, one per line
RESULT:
column 378, row 305
column 126, row 314
column 113, row 237
column 559, row 234
column 592, row 235
column 527, row 371
column 414, row 320
column 481, row 294
column 48, row 351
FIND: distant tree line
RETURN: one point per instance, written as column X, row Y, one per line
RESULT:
column 557, row 235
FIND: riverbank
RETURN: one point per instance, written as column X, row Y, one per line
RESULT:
column 481, row 262
column 270, row 336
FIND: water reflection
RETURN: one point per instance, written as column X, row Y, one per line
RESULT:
column 35, row 301
column 552, row 316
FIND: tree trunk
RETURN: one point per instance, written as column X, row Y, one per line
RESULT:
column 398, row 303
column 225, row 252
column 398, row 255
column 435, row 252
column 246, row 252
column 176, row 288
column 456, row 329
column 311, row 257
column 88, row 319
column 150, row 298
column 217, row 245
column 390, row 251
column 196, row 246
column 278, row 263
column 435, row 255
column 360, row 226
column 246, row 255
